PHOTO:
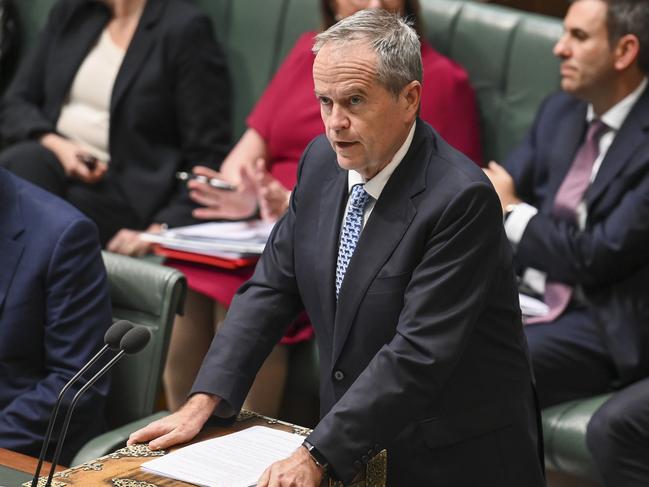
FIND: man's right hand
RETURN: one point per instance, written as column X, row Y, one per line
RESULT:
column 179, row 427
column 68, row 153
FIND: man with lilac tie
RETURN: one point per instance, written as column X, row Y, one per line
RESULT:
column 575, row 196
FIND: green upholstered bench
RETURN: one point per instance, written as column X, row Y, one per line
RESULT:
column 508, row 55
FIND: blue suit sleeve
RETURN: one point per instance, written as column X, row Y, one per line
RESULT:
column 77, row 316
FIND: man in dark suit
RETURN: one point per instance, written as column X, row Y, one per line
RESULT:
column 576, row 202
column 54, row 311
column 417, row 320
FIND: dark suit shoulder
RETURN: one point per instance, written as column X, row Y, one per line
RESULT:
column 38, row 205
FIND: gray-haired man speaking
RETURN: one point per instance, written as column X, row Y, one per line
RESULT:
column 394, row 245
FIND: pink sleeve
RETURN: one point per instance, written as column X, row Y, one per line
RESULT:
column 280, row 86
column 449, row 103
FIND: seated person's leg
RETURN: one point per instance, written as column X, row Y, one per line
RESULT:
column 267, row 391
column 103, row 204
column 569, row 358
column 36, row 164
column 618, row 437
column 191, row 336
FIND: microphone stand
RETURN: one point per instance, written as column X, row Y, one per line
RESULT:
column 50, row 424
column 68, row 415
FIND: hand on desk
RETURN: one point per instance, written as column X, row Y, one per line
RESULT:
column 179, row 427
column 298, row 470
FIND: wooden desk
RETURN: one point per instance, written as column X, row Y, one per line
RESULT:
column 122, row 468
column 16, row 468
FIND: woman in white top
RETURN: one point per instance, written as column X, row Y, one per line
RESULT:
column 116, row 97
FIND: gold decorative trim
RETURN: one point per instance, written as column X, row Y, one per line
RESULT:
column 131, row 483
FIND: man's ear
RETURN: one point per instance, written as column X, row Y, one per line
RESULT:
column 412, row 97
column 627, row 49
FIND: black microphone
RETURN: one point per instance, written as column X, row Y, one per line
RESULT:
column 112, row 340
column 133, row 341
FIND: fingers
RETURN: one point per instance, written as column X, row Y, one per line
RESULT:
column 206, row 195
column 208, row 213
column 207, row 172
column 264, row 479
column 149, row 432
column 128, row 242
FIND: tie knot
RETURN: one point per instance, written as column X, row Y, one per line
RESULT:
column 359, row 196
column 596, row 129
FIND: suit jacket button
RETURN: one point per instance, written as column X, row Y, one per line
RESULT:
column 338, row 375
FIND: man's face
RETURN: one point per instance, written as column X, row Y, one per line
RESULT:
column 364, row 122
column 587, row 65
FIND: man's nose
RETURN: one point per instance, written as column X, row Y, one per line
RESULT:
column 561, row 48
column 338, row 120
column 375, row 4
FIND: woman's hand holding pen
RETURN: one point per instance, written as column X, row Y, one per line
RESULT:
column 219, row 203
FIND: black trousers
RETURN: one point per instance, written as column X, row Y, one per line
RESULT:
column 618, row 437
column 102, row 202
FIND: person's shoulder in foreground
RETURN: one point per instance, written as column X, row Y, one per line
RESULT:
column 54, row 310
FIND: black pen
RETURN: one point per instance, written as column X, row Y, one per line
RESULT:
column 214, row 182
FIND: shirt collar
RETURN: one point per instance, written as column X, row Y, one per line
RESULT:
column 615, row 116
column 374, row 187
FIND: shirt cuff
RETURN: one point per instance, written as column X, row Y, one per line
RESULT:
column 535, row 280
column 517, row 222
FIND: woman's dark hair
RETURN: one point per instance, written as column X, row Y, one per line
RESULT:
column 412, row 12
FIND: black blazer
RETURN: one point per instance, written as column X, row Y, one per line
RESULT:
column 170, row 106
column 609, row 258
column 424, row 353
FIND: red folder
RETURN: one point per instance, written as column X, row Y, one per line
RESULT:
column 222, row 262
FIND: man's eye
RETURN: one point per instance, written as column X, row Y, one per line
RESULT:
column 324, row 100
column 355, row 100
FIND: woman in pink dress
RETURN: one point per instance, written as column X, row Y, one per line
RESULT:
column 263, row 165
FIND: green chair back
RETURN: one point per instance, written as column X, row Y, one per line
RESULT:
column 508, row 55
column 150, row 295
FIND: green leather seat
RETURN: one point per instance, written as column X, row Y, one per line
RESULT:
column 508, row 55
column 147, row 294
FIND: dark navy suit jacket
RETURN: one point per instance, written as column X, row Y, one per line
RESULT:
column 609, row 258
column 423, row 353
column 54, row 311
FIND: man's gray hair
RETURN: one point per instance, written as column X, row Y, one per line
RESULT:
column 392, row 38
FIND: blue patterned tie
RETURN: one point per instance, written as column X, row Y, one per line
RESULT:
column 351, row 231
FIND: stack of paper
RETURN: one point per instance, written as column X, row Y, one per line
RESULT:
column 235, row 460
column 218, row 239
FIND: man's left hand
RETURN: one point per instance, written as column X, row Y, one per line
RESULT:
column 298, row 470
column 503, row 184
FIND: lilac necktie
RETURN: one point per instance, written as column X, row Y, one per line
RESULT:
column 570, row 195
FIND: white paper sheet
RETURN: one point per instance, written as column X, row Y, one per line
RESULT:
column 235, row 460
column 531, row 306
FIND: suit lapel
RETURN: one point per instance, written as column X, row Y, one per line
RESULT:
column 562, row 153
column 385, row 228
column 332, row 208
column 631, row 136
column 138, row 50
column 11, row 226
